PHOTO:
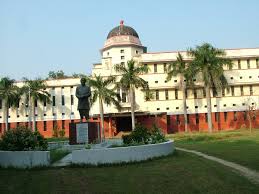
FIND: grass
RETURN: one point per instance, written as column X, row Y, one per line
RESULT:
column 239, row 146
column 57, row 154
column 178, row 173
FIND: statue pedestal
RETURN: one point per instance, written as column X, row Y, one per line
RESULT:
column 83, row 133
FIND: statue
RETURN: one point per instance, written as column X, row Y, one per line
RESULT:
column 83, row 92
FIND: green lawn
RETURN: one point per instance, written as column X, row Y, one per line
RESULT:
column 240, row 146
column 178, row 173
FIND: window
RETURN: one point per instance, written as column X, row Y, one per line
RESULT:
column 232, row 91
column 63, row 124
column 44, row 102
column 72, row 99
column 124, row 95
column 204, row 92
column 176, row 94
column 188, row 119
column 206, row 117
column 156, row 82
column 197, row 118
column 44, row 126
column 166, row 95
column 53, row 101
column 257, row 63
column 242, row 90
column 157, row 94
column 225, row 116
column 248, row 63
column 108, row 53
column 136, row 51
column 177, row 119
column 157, row 108
column 122, row 57
column 251, row 90
column 1, row 103
column 214, row 92
column 155, row 68
column 235, row 116
column 63, row 100
column 195, row 93
column 239, row 64
column 35, row 103
column 223, row 92
column 165, row 68
column 186, row 93
column 245, row 115
column 122, row 51
column 17, row 124
column 216, row 116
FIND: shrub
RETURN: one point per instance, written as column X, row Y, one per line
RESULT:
column 142, row 135
column 22, row 139
column 62, row 133
column 55, row 130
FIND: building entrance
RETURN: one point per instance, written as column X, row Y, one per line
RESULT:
column 123, row 124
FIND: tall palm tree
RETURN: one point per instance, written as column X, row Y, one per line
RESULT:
column 175, row 68
column 209, row 61
column 35, row 90
column 101, row 91
column 130, row 80
column 10, row 94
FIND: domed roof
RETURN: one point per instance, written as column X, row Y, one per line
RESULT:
column 122, row 30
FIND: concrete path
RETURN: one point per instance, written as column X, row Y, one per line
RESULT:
column 252, row 175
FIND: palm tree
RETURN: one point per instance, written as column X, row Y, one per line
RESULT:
column 175, row 68
column 35, row 90
column 105, row 95
column 10, row 94
column 130, row 80
column 209, row 61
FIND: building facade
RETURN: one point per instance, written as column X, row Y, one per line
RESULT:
column 229, row 106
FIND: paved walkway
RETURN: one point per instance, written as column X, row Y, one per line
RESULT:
column 252, row 175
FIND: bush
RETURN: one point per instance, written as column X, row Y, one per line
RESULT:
column 62, row 133
column 22, row 139
column 142, row 135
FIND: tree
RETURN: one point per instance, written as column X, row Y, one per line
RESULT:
column 175, row 68
column 35, row 90
column 209, row 61
column 101, row 91
column 57, row 75
column 130, row 80
column 78, row 75
column 10, row 94
column 251, row 111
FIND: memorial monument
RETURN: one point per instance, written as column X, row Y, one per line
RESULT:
column 83, row 132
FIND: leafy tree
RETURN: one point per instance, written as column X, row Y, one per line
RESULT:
column 78, row 75
column 179, row 67
column 101, row 91
column 209, row 61
column 35, row 90
column 57, row 75
column 130, row 80
column 10, row 94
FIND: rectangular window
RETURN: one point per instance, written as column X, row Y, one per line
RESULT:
column 235, row 116
column 239, row 64
column 124, row 96
column 17, row 124
column 214, row 92
column 195, row 93
column 155, row 68
column 176, row 94
column 216, row 116
column 53, row 101
column 165, row 68
column 72, row 99
column 204, row 92
column 245, row 115
column 223, row 92
column 232, row 91
column 35, row 103
column 197, row 118
column 44, row 126
column 122, row 57
column 242, row 90
column 257, row 63
column 122, row 51
column 44, row 102
column 63, row 100
column 225, row 116
column 166, row 95
column 248, row 63
column 63, row 124
column 188, row 118
column 177, row 119
column 186, row 93
column 251, row 90
column 206, row 117
column 1, row 103
column 157, row 94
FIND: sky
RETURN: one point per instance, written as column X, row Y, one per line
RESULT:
column 38, row 36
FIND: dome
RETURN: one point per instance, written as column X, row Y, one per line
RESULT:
column 122, row 30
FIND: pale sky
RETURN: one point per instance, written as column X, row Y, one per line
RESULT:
column 38, row 36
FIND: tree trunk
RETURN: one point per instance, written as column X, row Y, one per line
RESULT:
column 102, row 119
column 132, row 109
column 6, row 116
column 208, row 98
column 184, row 104
column 33, row 116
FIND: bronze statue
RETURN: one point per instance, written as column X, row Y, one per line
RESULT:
column 83, row 92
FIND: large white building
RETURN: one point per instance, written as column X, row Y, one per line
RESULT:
column 165, row 110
